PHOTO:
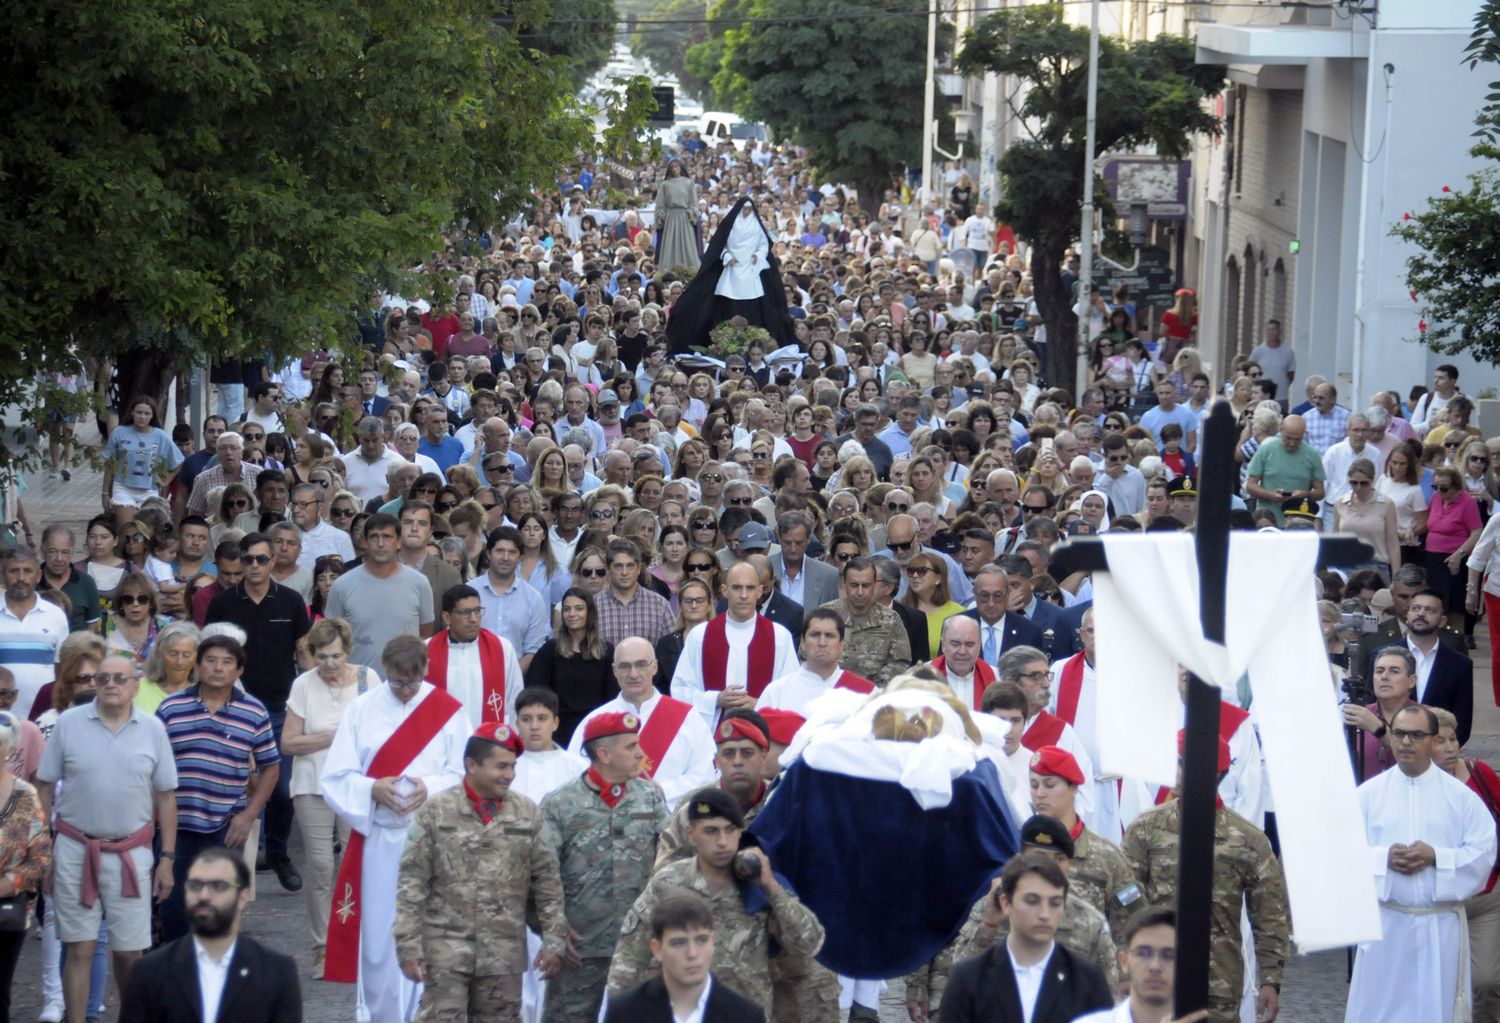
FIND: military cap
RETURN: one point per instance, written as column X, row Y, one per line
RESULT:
column 602, row 726
column 502, row 735
column 1058, row 762
column 709, row 803
column 1048, row 833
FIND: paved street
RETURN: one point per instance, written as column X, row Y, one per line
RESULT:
column 1314, row 990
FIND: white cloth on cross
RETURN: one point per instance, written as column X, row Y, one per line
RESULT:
column 1145, row 614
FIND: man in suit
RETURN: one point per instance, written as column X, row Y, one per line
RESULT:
column 1030, row 978
column 1047, row 617
column 682, row 942
column 805, row 580
column 999, row 628
column 1445, row 677
column 1408, row 581
column 371, row 403
column 215, row 973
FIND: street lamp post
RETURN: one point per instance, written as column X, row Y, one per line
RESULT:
column 929, row 126
column 1086, row 235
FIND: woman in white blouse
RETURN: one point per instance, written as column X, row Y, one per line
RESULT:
column 1402, row 483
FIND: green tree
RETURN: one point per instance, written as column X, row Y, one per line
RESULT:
column 703, row 61
column 1151, row 94
column 843, row 81
column 191, row 184
column 580, row 33
column 1454, row 268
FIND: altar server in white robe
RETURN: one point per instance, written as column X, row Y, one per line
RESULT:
column 678, row 745
column 729, row 660
column 479, row 668
column 1075, row 699
column 400, row 744
column 545, row 768
column 1432, row 845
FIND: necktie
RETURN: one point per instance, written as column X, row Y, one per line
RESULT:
column 991, row 649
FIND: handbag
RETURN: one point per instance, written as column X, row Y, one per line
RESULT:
column 13, row 909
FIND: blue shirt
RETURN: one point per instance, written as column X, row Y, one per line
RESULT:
column 213, row 751
column 1157, row 417
column 135, row 453
column 446, row 453
column 519, row 614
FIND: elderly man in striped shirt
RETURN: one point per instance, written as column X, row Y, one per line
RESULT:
column 215, row 729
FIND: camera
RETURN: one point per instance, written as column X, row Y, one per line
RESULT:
column 1356, row 622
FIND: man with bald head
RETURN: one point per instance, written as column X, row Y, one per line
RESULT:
column 902, row 544
column 679, row 749
column 960, row 664
column 495, row 437
column 617, row 467
column 578, row 464
column 1339, row 456
column 1004, row 488
column 728, row 661
column 1285, row 466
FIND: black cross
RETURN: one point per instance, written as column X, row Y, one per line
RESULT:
column 1195, row 865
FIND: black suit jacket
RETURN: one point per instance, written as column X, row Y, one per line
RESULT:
column 1050, row 622
column 1390, row 634
column 648, row 1003
column 1014, row 631
column 1451, row 686
column 915, row 623
column 261, row 986
column 1070, row 619
column 982, row 989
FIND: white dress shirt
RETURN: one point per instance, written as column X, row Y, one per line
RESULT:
column 962, row 686
column 212, row 976
column 1424, row 665
column 1029, row 979
column 791, row 587
column 696, row 1016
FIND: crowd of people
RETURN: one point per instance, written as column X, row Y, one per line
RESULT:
column 512, row 617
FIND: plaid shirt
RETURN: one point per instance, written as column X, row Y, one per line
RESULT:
column 648, row 615
column 1323, row 432
column 215, row 476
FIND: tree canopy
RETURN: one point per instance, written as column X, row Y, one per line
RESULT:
column 580, row 33
column 189, row 183
column 668, row 32
column 1151, row 96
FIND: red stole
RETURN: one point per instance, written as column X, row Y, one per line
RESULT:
column 984, row 675
column 491, row 669
column 1045, row 730
column 854, row 683
column 1230, row 719
column 761, row 655
column 1070, row 687
column 660, row 729
column 394, row 756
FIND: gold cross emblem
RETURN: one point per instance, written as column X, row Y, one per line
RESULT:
column 348, row 907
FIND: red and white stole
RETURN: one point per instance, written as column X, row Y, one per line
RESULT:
column 1070, row 688
column 491, row 669
column 395, row 755
column 1045, row 730
column 854, row 683
column 761, row 655
column 984, row 676
column 660, row 729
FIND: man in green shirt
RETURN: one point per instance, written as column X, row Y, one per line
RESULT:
column 1285, row 467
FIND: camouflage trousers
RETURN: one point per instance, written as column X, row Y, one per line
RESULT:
column 575, row 994
column 803, row 991
column 454, row 997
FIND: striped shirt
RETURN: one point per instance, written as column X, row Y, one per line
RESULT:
column 213, row 751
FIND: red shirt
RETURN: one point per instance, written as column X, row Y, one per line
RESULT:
column 442, row 329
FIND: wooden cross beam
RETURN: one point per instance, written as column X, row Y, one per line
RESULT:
column 1195, row 867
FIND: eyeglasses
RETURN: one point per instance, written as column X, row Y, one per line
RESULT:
column 701, row 566
column 593, row 573
column 741, row 501
column 446, row 506
column 467, row 612
column 504, row 469
column 256, row 559
column 1442, row 488
column 917, row 570
column 127, row 599
column 403, row 683
column 632, row 667
column 1034, row 509
column 1113, row 426
column 703, row 524
column 710, row 477
column 115, row 678
column 1403, row 735
column 305, row 504
column 602, row 513
column 896, row 506
column 760, row 456
column 1034, row 676
column 893, row 545
column 1116, row 459
column 195, row 886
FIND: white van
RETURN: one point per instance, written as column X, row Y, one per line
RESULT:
column 718, row 126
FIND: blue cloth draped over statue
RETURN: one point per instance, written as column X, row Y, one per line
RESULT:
column 892, row 883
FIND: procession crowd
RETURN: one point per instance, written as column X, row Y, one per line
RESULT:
column 513, row 617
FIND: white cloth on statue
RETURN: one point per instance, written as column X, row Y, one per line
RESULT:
column 688, row 763
column 745, row 256
column 1106, row 794
column 796, row 690
column 466, row 678
column 383, row 992
column 1415, row 971
column 537, row 776
column 1272, row 631
column 687, row 680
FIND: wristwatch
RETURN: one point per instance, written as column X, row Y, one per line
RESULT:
column 1379, row 733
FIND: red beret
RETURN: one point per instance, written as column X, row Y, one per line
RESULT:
column 1058, row 762
column 501, row 734
column 601, row 726
column 784, row 724
column 731, row 729
column 1224, row 758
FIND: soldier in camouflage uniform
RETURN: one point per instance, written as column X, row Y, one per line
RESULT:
column 742, row 933
column 1098, row 874
column 802, row 989
column 1083, row 929
column 475, row 855
column 603, row 827
column 1245, row 871
column 875, row 643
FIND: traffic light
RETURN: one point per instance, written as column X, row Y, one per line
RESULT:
column 666, row 98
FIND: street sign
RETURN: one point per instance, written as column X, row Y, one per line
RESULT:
column 1151, row 283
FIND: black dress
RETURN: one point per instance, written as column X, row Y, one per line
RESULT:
column 581, row 683
column 699, row 309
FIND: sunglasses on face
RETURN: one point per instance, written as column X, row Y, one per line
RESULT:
column 917, row 570
column 896, row 506
column 740, row 501
column 342, row 513
column 446, row 506
column 593, row 573
column 257, row 559
column 134, row 598
column 711, row 477
column 703, row 524
column 698, row 567
column 900, row 546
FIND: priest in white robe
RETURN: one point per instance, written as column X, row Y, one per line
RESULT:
column 679, row 748
column 1075, row 699
column 479, row 668
column 1432, row 845
column 729, row 660
column 388, row 757
column 822, row 649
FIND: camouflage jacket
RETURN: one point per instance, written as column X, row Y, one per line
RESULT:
column 875, row 643
column 1245, row 870
column 741, row 939
column 462, row 898
column 605, row 855
column 673, row 844
column 1083, row 931
column 1101, row 876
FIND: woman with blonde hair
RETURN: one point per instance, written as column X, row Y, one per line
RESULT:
column 1185, row 366
column 692, row 456
column 169, row 666
column 550, row 474
column 465, row 480
column 856, row 473
column 927, row 592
